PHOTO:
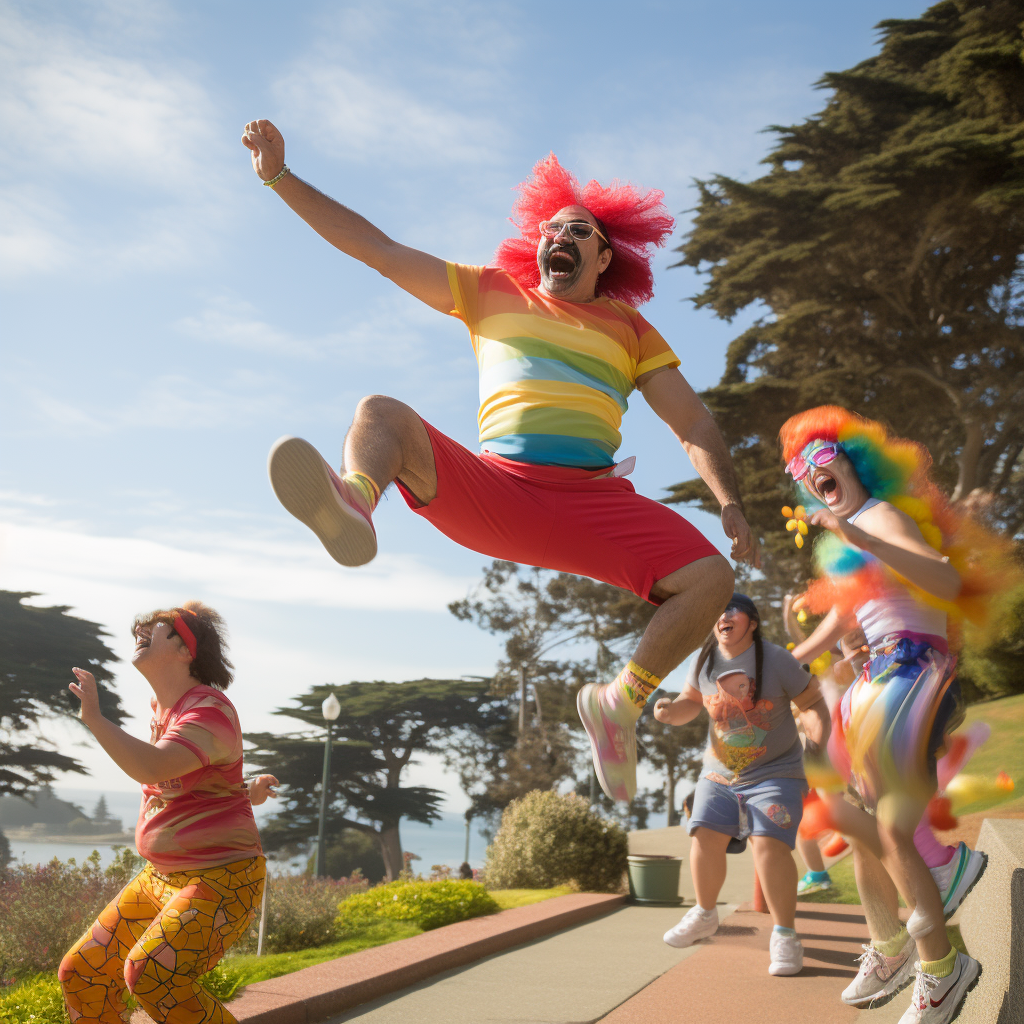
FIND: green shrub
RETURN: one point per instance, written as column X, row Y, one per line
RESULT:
column 45, row 909
column 36, row 1000
column 428, row 904
column 300, row 913
column 546, row 839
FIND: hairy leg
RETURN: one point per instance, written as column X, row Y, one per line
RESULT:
column 878, row 895
column 708, row 865
column 776, row 868
column 387, row 439
column 694, row 597
column 918, row 889
column 854, row 823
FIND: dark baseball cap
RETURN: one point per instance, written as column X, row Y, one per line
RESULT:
column 743, row 604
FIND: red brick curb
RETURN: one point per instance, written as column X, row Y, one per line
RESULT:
column 318, row 992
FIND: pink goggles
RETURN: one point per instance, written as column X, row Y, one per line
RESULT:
column 799, row 466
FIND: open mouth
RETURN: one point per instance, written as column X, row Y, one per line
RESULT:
column 725, row 628
column 827, row 486
column 142, row 642
column 561, row 262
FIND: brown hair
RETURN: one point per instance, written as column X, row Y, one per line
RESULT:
column 210, row 666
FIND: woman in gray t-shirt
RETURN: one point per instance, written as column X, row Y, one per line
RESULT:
column 752, row 783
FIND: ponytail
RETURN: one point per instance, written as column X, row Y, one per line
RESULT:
column 707, row 654
column 758, row 662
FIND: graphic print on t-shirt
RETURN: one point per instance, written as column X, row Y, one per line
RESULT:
column 738, row 726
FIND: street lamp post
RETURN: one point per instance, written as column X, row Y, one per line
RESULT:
column 331, row 709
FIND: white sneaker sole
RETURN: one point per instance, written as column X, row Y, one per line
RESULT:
column 302, row 483
column 784, row 970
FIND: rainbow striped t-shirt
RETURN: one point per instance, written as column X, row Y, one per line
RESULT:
column 554, row 375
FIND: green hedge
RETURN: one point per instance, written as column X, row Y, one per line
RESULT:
column 428, row 904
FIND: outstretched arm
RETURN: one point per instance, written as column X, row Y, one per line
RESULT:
column 419, row 273
column 824, row 638
column 675, row 402
column 904, row 549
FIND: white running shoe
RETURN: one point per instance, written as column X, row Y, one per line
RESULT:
column 308, row 488
column 957, row 878
column 938, row 1000
column 880, row 977
column 611, row 727
column 787, row 954
column 697, row 923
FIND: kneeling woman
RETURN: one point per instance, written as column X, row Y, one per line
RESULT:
column 203, row 879
column 752, row 783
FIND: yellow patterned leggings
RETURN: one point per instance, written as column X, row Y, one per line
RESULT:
column 157, row 938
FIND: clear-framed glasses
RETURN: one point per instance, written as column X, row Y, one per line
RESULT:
column 799, row 466
column 581, row 230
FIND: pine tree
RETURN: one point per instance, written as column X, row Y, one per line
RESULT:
column 884, row 246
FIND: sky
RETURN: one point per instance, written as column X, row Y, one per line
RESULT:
column 165, row 318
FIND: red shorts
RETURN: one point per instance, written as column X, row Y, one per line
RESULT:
column 571, row 520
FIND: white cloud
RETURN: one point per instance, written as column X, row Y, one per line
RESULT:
column 239, row 565
column 110, row 143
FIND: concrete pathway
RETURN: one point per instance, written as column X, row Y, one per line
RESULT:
column 577, row 975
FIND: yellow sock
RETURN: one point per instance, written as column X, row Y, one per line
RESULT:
column 940, row 968
column 365, row 487
column 892, row 946
column 636, row 684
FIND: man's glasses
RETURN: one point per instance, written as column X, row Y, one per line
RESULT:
column 799, row 466
column 581, row 230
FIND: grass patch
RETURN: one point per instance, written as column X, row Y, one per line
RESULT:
column 235, row 972
column 844, row 886
column 1003, row 752
column 508, row 899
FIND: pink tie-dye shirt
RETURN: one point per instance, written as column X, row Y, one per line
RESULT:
column 204, row 819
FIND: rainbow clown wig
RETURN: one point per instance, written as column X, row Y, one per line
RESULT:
column 895, row 470
column 633, row 220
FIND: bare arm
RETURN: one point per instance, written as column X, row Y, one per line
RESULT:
column 824, row 637
column 816, row 724
column 419, row 273
column 903, row 550
column 680, row 710
column 677, row 404
column 144, row 762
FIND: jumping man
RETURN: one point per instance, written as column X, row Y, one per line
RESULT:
column 559, row 348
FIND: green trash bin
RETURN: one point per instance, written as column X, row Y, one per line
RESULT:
column 654, row 878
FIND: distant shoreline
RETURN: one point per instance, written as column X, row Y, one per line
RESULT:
column 29, row 835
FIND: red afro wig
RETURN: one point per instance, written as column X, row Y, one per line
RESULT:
column 634, row 221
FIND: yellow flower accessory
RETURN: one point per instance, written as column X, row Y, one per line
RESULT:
column 820, row 664
column 796, row 523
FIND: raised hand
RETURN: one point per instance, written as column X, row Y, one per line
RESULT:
column 266, row 147
column 85, row 691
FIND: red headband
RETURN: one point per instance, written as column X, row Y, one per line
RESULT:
column 186, row 634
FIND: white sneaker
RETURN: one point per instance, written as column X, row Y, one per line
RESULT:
column 697, row 923
column 957, row 878
column 880, row 977
column 938, row 1000
column 787, row 954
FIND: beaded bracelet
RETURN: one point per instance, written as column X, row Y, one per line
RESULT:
column 277, row 177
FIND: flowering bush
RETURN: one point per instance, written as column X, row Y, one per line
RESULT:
column 44, row 909
column 428, row 904
column 301, row 912
column 546, row 839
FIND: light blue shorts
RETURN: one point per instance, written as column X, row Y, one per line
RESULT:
column 772, row 807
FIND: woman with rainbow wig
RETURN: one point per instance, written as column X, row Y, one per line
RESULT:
column 897, row 563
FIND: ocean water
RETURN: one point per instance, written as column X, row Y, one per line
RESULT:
column 444, row 842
